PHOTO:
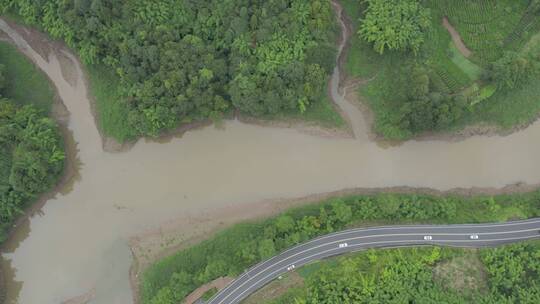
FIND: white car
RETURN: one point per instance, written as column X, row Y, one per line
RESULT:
column 343, row 245
column 290, row 268
column 473, row 236
column 428, row 237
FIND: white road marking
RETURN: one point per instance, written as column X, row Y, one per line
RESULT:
column 360, row 229
column 372, row 243
column 384, row 235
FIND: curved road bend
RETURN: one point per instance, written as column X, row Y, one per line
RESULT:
column 363, row 238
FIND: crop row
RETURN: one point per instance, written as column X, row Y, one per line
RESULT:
column 452, row 76
column 528, row 24
column 471, row 12
column 438, row 83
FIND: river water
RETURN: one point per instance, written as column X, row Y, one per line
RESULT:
column 78, row 242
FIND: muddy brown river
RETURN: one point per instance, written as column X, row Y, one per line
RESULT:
column 78, row 243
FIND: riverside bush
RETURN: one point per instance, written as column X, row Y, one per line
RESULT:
column 233, row 250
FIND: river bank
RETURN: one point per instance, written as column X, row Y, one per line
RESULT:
column 364, row 210
column 56, row 111
column 457, row 133
column 211, row 178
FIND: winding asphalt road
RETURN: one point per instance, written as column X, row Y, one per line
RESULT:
column 363, row 238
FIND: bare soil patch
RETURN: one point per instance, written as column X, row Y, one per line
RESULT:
column 456, row 38
column 72, row 164
column 67, row 67
column 171, row 237
column 352, row 86
column 218, row 283
column 299, row 125
column 60, row 114
column 477, row 129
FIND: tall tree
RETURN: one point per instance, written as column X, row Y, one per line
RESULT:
column 394, row 24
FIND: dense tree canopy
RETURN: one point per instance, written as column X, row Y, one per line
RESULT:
column 423, row 107
column 171, row 279
column 395, row 24
column 470, row 66
column 516, row 69
column 183, row 60
column 31, row 157
column 406, row 276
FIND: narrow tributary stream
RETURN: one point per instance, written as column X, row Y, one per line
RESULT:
column 79, row 240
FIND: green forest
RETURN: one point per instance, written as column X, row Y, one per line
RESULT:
column 155, row 65
column 31, row 147
column 420, row 81
column 170, row 280
column 183, row 61
column 509, row 274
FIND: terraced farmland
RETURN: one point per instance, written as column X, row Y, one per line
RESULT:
column 486, row 26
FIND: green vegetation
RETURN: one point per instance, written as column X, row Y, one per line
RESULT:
column 171, row 279
column 367, row 64
column 289, row 297
column 105, row 88
column 454, row 90
column 184, row 61
column 209, row 294
column 23, row 83
column 513, row 70
column 31, row 151
column 291, row 283
column 509, row 274
column 472, row 70
column 321, row 113
column 485, row 25
column 509, row 109
column 394, row 24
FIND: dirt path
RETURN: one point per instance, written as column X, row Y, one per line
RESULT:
column 458, row 42
column 170, row 196
column 349, row 88
column 218, row 283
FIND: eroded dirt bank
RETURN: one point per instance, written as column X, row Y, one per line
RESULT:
column 161, row 195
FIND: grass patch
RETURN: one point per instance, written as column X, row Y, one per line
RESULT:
column 472, row 70
column 356, row 266
column 483, row 24
column 111, row 109
column 209, row 294
column 464, row 273
column 506, row 274
column 362, row 61
column 487, row 28
column 437, row 50
column 508, row 109
column 384, row 93
column 278, row 290
column 534, row 41
column 287, row 298
column 26, row 84
column 309, row 269
column 321, row 114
